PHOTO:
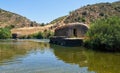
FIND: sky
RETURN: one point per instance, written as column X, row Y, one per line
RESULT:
column 44, row 11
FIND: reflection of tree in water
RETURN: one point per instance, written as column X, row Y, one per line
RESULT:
column 99, row 62
column 104, row 62
column 12, row 49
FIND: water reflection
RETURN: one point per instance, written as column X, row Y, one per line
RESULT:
column 99, row 62
column 32, row 57
column 42, row 57
column 12, row 49
column 71, row 55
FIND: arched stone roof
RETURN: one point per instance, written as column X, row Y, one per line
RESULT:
column 71, row 25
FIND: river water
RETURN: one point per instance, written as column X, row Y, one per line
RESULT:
column 38, row 56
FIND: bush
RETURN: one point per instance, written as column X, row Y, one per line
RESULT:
column 104, row 34
column 44, row 35
column 5, row 33
column 40, row 35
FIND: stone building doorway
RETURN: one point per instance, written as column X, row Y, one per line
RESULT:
column 75, row 32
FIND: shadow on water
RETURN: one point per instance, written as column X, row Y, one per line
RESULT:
column 100, row 62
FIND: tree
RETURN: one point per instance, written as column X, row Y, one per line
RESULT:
column 5, row 33
column 104, row 34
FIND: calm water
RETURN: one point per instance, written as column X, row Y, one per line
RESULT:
column 25, row 56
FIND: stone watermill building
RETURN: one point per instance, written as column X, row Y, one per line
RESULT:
column 71, row 30
column 71, row 34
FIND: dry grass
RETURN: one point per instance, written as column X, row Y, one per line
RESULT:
column 27, row 30
column 31, row 30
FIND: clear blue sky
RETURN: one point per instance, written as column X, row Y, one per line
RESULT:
column 45, row 10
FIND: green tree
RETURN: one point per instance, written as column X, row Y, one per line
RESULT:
column 104, row 34
column 5, row 33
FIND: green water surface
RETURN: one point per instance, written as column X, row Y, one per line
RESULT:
column 38, row 56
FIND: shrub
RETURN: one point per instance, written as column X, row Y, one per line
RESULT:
column 5, row 33
column 40, row 35
column 104, row 34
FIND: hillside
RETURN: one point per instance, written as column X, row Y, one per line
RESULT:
column 90, row 13
column 9, row 19
column 58, row 20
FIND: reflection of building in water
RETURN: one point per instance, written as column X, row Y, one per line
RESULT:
column 71, row 55
column 98, row 62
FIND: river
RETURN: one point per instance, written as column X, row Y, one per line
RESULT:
column 38, row 56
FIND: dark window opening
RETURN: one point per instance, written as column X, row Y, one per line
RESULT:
column 14, row 36
column 75, row 32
